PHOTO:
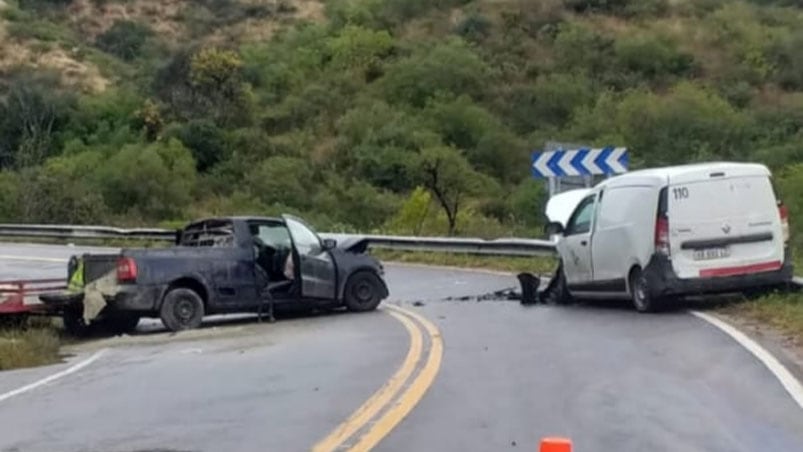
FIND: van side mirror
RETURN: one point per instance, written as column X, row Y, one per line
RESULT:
column 329, row 244
column 554, row 228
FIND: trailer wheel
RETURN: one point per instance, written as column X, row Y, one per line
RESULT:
column 182, row 309
column 14, row 321
column 74, row 323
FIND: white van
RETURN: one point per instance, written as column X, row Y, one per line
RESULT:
column 652, row 234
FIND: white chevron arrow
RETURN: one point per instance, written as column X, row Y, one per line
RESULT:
column 540, row 164
column 588, row 161
column 613, row 160
column 565, row 163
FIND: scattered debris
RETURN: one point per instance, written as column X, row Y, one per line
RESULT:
column 499, row 295
column 418, row 303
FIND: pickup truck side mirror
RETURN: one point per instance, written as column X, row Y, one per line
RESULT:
column 554, row 228
column 329, row 244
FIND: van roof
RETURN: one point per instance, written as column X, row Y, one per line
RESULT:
column 660, row 176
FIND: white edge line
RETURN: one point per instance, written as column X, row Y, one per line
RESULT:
column 33, row 259
column 789, row 382
column 71, row 370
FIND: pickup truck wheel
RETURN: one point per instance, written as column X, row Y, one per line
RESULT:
column 121, row 322
column 74, row 323
column 363, row 292
column 182, row 309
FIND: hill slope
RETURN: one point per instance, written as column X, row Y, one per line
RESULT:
column 398, row 115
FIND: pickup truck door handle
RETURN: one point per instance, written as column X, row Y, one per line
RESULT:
column 584, row 242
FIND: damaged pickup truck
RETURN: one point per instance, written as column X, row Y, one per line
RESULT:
column 220, row 265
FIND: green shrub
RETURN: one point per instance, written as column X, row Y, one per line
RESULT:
column 654, row 57
column 474, row 28
column 451, row 67
column 124, row 39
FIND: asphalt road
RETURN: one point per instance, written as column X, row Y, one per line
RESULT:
column 609, row 378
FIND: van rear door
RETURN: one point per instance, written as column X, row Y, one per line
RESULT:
column 723, row 221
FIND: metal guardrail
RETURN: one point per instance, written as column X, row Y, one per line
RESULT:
column 52, row 231
column 500, row 247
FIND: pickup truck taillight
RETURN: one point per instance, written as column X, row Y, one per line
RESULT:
column 126, row 270
column 784, row 212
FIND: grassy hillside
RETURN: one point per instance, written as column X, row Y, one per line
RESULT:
column 407, row 116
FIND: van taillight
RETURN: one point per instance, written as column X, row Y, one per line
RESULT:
column 784, row 211
column 662, row 236
column 126, row 269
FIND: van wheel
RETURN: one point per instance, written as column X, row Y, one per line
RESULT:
column 182, row 309
column 640, row 293
column 557, row 292
column 363, row 292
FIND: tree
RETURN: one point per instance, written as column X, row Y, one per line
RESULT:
column 450, row 178
column 282, row 180
column 206, row 141
column 451, row 67
column 375, row 142
column 61, row 192
column 206, row 83
column 790, row 184
column 32, row 114
column 160, row 187
column 358, row 48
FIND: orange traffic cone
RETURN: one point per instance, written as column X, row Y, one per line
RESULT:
column 556, row 445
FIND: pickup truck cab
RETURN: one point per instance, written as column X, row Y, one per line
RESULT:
column 654, row 234
column 224, row 265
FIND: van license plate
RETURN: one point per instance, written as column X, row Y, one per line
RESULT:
column 711, row 253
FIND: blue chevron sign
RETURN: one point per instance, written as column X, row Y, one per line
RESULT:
column 579, row 162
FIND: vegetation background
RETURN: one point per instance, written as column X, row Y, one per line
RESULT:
column 399, row 116
column 394, row 116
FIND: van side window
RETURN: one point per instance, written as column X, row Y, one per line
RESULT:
column 580, row 222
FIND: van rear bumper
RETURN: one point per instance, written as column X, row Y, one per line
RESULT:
column 662, row 280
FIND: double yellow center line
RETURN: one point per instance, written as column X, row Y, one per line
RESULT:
column 380, row 414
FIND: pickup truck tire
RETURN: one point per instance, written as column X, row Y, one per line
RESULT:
column 74, row 323
column 121, row 322
column 363, row 291
column 182, row 309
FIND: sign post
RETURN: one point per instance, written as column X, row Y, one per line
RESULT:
column 571, row 166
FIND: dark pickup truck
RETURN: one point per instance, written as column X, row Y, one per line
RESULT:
column 221, row 265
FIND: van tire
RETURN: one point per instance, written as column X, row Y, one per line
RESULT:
column 557, row 291
column 640, row 293
column 182, row 309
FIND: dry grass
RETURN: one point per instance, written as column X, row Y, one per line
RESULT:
column 782, row 312
column 163, row 16
column 34, row 345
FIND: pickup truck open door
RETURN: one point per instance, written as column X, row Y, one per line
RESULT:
column 315, row 264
